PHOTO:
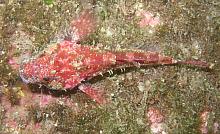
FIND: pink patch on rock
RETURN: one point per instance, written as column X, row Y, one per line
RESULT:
column 44, row 100
column 204, row 122
column 147, row 19
column 155, row 119
column 16, row 116
column 154, row 115
column 205, row 126
column 92, row 93
column 83, row 25
column 13, row 62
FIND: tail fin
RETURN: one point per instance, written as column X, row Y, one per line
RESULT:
column 196, row 63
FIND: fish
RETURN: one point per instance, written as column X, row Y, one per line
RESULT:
column 66, row 65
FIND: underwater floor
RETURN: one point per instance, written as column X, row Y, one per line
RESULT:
column 136, row 99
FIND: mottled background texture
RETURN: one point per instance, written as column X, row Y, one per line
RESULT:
column 163, row 99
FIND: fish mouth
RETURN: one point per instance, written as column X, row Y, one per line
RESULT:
column 24, row 77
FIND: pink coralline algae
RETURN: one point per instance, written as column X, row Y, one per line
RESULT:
column 204, row 122
column 83, row 25
column 16, row 116
column 148, row 19
column 13, row 62
column 68, row 64
column 155, row 119
column 205, row 125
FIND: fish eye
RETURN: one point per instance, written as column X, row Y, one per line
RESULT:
column 68, row 38
column 46, row 79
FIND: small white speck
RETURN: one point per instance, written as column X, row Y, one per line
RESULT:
column 101, row 73
column 141, row 86
column 56, row 124
column 150, row 31
column 76, row 104
column 2, row 52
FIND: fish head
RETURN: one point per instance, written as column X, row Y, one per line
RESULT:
column 35, row 70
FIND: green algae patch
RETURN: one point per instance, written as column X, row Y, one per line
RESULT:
column 48, row 2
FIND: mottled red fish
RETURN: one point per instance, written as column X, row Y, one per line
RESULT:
column 65, row 65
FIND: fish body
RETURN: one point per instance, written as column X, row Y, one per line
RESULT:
column 67, row 64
